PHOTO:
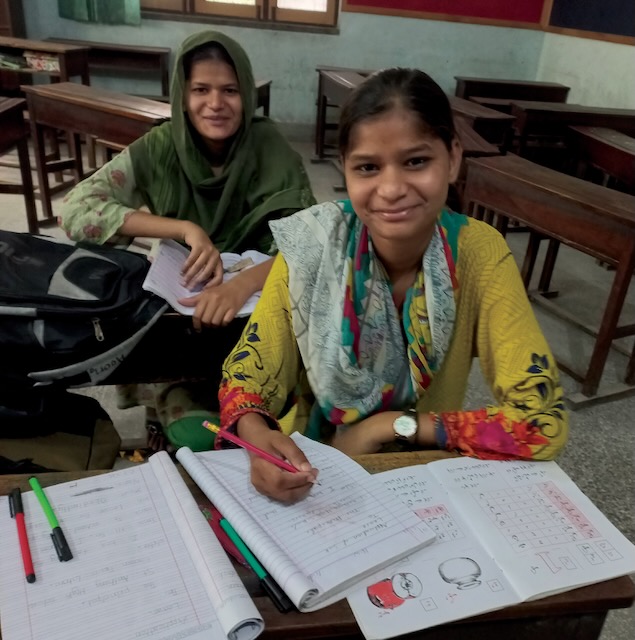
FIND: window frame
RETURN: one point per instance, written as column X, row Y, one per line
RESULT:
column 265, row 13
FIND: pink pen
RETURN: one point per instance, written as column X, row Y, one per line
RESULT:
column 250, row 447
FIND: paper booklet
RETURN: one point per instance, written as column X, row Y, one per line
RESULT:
column 507, row 532
column 320, row 547
column 164, row 276
column 146, row 564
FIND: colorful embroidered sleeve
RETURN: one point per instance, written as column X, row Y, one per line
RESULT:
column 530, row 421
column 96, row 208
column 264, row 367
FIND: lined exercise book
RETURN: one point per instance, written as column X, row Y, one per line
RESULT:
column 507, row 532
column 318, row 548
column 164, row 276
column 145, row 565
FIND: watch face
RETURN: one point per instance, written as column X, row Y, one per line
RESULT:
column 405, row 426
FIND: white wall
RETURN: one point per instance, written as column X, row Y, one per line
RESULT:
column 599, row 73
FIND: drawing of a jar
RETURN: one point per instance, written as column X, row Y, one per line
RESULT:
column 463, row 572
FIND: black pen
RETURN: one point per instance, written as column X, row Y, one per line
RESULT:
column 17, row 512
column 270, row 586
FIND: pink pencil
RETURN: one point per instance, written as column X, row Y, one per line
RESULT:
column 250, row 447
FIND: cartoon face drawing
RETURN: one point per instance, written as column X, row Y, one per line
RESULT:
column 463, row 572
column 391, row 593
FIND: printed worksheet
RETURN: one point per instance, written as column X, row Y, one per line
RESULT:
column 506, row 532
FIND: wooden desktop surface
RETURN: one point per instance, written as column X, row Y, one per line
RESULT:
column 611, row 151
column 78, row 109
column 574, row 615
column 583, row 215
column 552, row 118
column 466, row 87
column 494, row 126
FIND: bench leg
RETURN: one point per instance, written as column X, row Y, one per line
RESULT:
column 548, row 266
column 37, row 135
column 610, row 319
column 533, row 245
column 27, row 186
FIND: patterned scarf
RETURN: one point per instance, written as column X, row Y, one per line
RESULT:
column 347, row 327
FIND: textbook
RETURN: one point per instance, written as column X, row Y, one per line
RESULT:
column 145, row 564
column 318, row 548
column 164, row 276
column 506, row 532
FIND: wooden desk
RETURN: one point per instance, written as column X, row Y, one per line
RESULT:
column 550, row 120
column 474, row 146
column 72, row 60
column 466, row 87
column 79, row 109
column 334, row 85
column 587, row 217
column 14, row 133
column 263, row 95
column 125, row 58
column 494, row 126
column 610, row 151
column 574, row 615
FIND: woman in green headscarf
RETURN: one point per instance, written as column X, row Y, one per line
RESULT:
column 211, row 178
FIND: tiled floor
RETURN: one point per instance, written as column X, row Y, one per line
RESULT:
column 600, row 456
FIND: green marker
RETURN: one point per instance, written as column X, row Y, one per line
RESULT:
column 57, row 535
column 271, row 587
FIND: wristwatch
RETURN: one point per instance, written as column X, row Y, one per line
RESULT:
column 406, row 426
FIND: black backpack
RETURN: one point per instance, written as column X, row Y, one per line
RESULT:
column 69, row 313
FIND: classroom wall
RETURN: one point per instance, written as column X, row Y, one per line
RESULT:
column 289, row 58
column 444, row 49
column 599, row 73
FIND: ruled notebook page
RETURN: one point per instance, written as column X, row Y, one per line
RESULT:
column 347, row 527
column 131, row 575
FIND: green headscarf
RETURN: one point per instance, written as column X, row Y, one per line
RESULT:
column 262, row 178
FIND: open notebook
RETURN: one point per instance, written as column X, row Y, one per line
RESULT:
column 164, row 276
column 145, row 565
column 507, row 532
column 318, row 548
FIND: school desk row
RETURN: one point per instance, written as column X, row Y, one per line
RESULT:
column 577, row 614
column 521, row 124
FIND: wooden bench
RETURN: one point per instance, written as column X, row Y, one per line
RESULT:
column 79, row 109
column 588, row 217
column 14, row 133
column 466, row 87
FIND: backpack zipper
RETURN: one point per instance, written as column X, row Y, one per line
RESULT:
column 99, row 334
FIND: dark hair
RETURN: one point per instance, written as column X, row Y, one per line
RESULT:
column 411, row 89
column 206, row 51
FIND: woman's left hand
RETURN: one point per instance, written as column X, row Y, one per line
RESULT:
column 217, row 306
column 367, row 436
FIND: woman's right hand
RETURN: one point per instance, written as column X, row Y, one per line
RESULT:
column 266, row 477
column 204, row 264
